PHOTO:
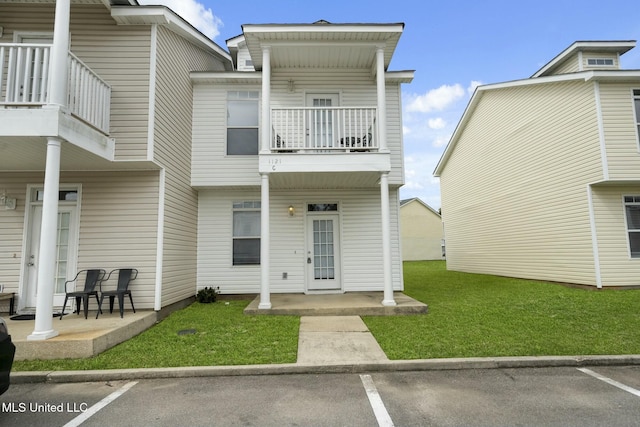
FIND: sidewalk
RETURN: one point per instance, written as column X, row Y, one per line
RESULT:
column 329, row 344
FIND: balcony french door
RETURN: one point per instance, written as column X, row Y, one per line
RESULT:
column 322, row 121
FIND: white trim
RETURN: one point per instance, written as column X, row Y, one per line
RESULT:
column 601, row 138
column 157, row 304
column 580, row 62
column 635, row 114
column 151, row 120
column 331, row 28
column 594, row 238
column 626, row 224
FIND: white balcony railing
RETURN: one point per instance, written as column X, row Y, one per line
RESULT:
column 24, row 82
column 324, row 129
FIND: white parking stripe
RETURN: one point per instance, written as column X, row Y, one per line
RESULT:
column 104, row 402
column 610, row 381
column 379, row 410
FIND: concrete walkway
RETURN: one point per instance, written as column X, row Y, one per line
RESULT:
column 336, row 340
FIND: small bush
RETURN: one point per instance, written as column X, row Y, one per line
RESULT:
column 207, row 295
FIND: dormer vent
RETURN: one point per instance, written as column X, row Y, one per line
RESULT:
column 600, row 61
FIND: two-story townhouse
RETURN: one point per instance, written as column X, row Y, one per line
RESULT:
column 297, row 158
column 541, row 178
column 95, row 148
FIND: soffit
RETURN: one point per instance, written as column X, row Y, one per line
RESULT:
column 336, row 46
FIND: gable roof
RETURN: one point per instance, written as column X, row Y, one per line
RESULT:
column 614, row 46
column 405, row 202
column 334, row 45
column 586, row 76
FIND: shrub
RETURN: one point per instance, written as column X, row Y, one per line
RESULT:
column 207, row 295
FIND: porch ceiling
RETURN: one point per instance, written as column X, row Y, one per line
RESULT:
column 29, row 154
column 322, row 45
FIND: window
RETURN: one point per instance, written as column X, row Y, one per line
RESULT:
column 246, row 233
column 632, row 212
column 636, row 105
column 322, row 207
column 242, row 123
column 599, row 61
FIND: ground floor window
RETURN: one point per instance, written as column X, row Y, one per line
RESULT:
column 246, row 233
column 632, row 212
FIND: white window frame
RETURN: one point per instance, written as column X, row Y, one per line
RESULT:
column 636, row 112
column 244, row 206
column 630, row 200
column 605, row 62
column 249, row 95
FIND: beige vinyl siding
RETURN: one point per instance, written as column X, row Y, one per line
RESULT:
column 617, row 268
column 421, row 231
column 569, row 65
column 12, row 230
column 361, row 250
column 621, row 138
column 514, row 191
column 211, row 165
column 176, row 58
column 117, row 221
column 108, row 49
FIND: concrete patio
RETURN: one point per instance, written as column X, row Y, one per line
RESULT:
column 79, row 337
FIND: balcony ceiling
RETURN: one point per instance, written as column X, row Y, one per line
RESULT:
column 322, row 45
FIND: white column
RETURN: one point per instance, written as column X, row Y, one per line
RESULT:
column 266, row 99
column 48, row 235
column 60, row 54
column 265, row 292
column 386, row 240
column 382, row 100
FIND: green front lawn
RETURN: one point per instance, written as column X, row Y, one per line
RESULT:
column 481, row 315
column 469, row 315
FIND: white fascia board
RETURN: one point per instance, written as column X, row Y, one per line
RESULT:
column 399, row 76
column 146, row 15
column 237, row 77
column 322, row 28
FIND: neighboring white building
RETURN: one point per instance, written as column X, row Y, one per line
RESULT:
column 297, row 159
column 420, row 231
column 274, row 167
column 541, row 178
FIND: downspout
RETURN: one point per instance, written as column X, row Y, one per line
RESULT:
column 157, row 303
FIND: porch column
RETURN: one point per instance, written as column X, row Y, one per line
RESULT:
column 386, row 240
column 382, row 101
column 49, row 227
column 266, row 99
column 265, row 292
column 48, row 235
column 60, row 54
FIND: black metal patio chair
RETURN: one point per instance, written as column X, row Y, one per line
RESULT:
column 125, row 277
column 93, row 277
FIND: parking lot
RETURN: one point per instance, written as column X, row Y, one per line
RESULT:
column 480, row 397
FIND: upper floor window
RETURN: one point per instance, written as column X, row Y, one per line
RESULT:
column 600, row 61
column 636, row 106
column 242, row 123
column 632, row 212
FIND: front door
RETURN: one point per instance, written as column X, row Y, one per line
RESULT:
column 323, row 252
column 66, row 244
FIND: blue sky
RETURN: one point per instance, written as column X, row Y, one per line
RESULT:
column 453, row 46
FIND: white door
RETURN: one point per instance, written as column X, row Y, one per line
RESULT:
column 323, row 253
column 65, row 249
column 321, row 120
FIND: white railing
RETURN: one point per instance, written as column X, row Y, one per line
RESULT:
column 324, row 129
column 24, row 82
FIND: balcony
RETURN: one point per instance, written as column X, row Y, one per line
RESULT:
column 25, row 82
column 333, row 147
column 323, row 130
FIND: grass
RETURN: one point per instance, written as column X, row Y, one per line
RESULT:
column 224, row 336
column 480, row 315
column 469, row 315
